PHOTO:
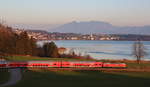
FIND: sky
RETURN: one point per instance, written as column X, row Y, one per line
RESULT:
column 116, row 12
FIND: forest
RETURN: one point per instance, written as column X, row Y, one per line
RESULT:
column 21, row 44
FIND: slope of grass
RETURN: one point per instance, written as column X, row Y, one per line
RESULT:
column 83, row 79
column 25, row 58
column 139, row 66
column 29, row 58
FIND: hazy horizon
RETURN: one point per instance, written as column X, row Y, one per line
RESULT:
column 54, row 12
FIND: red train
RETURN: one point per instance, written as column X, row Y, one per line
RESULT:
column 61, row 64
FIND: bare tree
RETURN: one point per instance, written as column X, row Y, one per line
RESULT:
column 139, row 51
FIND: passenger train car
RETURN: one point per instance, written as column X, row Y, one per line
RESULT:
column 60, row 64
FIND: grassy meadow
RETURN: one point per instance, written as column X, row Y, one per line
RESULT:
column 32, row 58
column 45, row 78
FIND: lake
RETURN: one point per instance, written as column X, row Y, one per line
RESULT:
column 102, row 49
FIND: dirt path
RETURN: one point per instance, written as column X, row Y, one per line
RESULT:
column 15, row 76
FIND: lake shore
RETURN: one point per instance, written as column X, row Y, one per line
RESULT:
column 102, row 49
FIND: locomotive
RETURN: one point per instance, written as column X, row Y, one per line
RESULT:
column 60, row 64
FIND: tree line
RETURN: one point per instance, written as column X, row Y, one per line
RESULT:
column 21, row 44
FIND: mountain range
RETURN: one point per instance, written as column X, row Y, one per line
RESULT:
column 99, row 27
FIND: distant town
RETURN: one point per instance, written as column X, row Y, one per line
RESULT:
column 44, row 35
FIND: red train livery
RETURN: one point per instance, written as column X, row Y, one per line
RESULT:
column 61, row 64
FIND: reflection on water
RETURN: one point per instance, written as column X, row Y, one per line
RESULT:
column 102, row 49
